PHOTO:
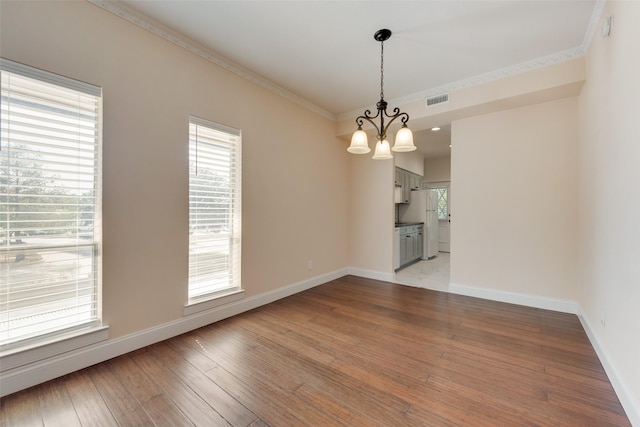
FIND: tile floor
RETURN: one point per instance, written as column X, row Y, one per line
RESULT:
column 430, row 274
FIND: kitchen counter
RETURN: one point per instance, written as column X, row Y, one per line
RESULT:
column 407, row 224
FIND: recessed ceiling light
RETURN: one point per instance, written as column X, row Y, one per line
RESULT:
column 435, row 129
column 449, row 145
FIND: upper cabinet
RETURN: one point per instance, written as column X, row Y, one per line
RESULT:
column 415, row 180
column 406, row 181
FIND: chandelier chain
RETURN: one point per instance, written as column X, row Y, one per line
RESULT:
column 382, row 70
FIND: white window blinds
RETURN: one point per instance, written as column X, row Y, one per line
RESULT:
column 49, row 204
column 214, row 209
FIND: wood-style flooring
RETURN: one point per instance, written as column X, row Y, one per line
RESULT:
column 352, row 352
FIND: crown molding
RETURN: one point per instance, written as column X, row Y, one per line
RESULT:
column 593, row 25
column 499, row 74
column 502, row 73
column 160, row 30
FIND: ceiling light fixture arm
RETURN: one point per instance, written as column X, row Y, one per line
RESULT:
column 382, row 112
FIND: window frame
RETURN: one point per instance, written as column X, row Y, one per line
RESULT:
column 202, row 131
column 39, row 346
column 439, row 188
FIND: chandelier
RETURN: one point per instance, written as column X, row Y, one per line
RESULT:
column 404, row 136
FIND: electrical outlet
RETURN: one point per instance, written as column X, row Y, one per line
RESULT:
column 310, row 265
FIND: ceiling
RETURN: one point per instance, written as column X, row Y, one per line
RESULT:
column 324, row 51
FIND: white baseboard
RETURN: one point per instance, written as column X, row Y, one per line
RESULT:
column 564, row 306
column 44, row 370
column 371, row 274
column 631, row 407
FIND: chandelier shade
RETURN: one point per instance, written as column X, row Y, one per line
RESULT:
column 359, row 143
column 382, row 150
column 404, row 140
column 404, row 137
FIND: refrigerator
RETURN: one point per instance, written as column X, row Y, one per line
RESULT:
column 424, row 208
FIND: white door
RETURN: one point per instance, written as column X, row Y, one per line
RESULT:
column 444, row 216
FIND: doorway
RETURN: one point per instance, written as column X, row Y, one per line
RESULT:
column 434, row 273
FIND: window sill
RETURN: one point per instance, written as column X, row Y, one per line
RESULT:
column 53, row 346
column 216, row 300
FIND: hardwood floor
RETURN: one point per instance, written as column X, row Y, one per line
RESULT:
column 353, row 352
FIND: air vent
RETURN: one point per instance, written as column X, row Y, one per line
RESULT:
column 438, row 99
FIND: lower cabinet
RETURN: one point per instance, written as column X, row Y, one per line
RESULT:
column 420, row 242
column 411, row 243
column 407, row 242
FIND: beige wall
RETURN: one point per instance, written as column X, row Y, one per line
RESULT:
column 295, row 180
column 609, row 173
column 371, row 216
column 514, row 175
column 437, row 169
column 412, row 161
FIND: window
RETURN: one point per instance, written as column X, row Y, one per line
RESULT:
column 214, row 210
column 442, row 202
column 50, row 195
